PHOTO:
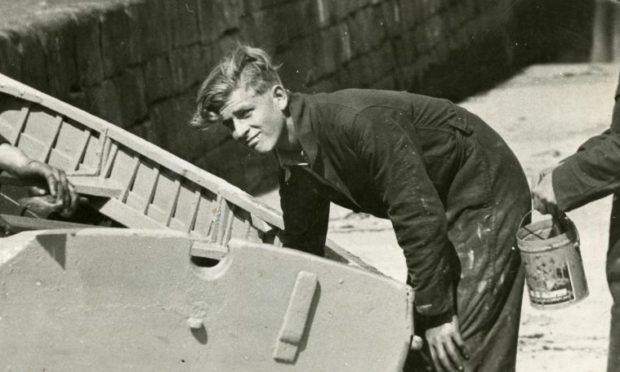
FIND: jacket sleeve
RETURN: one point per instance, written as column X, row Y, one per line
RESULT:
column 305, row 211
column 593, row 171
column 414, row 208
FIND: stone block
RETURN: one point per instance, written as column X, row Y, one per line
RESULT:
column 360, row 72
column 119, row 47
column 406, row 47
column 88, row 58
column 276, row 26
column 163, row 114
column 34, row 69
column 344, row 8
column 390, row 15
column 366, row 30
column 422, row 41
column 344, row 79
column 132, row 99
column 185, row 29
column 263, row 28
column 345, row 53
column 383, row 61
column 435, row 31
column 188, row 67
column 215, row 17
column 254, row 5
column 408, row 12
column 324, row 12
column 434, row 6
column 375, row 26
column 171, row 122
column 157, row 30
column 104, row 102
column 158, row 78
column 298, row 69
column 327, row 46
column 56, row 37
column 10, row 58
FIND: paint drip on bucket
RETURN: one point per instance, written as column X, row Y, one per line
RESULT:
column 553, row 265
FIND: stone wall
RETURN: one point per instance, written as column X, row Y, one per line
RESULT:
column 138, row 64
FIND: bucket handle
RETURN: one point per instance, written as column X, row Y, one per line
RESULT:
column 559, row 217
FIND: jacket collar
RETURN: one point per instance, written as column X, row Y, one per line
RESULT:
column 298, row 108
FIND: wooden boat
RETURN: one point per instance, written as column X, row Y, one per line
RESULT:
column 129, row 180
column 125, row 299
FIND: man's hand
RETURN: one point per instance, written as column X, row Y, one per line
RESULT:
column 66, row 198
column 447, row 347
column 543, row 196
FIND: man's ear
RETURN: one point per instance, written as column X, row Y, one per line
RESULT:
column 280, row 96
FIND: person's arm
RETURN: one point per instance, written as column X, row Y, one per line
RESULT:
column 305, row 212
column 591, row 173
column 14, row 161
column 414, row 208
column 418, row 217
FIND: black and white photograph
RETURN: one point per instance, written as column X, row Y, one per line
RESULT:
column 310, row 185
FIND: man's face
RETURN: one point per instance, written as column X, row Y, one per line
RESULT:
column 257, row 120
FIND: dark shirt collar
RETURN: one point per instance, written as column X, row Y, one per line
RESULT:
column 300, row 113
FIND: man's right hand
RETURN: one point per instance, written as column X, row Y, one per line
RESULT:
column 543, row 196
column 447, row 347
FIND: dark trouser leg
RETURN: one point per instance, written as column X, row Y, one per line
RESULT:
column 498, row 350
column 613, row 278
column 613, row 355
column 491, row 351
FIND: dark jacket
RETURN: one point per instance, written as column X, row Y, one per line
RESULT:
column 395, row 155
column 592, row 173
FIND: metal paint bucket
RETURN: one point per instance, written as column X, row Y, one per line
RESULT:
column 553, row 265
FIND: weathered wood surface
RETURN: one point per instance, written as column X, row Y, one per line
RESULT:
column 138, row 184
column 125, row 299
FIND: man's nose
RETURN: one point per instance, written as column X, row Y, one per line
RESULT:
column 240, row 129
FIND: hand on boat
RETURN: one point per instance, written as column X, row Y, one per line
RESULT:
column 447, row 347
column 63, row 192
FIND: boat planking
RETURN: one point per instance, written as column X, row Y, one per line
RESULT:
column 132, row 181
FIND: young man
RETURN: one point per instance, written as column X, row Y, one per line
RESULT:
column 14, row 161
column 451, row 187
column 590, row 174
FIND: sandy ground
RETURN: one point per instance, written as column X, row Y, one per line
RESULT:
column 544, row 113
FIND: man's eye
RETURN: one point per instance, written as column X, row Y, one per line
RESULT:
column 245, row 114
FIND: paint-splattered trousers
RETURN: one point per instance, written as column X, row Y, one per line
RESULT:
column 490, row 287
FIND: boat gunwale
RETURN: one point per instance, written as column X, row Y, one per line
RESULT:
column 173, row 163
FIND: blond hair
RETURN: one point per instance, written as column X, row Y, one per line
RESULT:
column 245, row 67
